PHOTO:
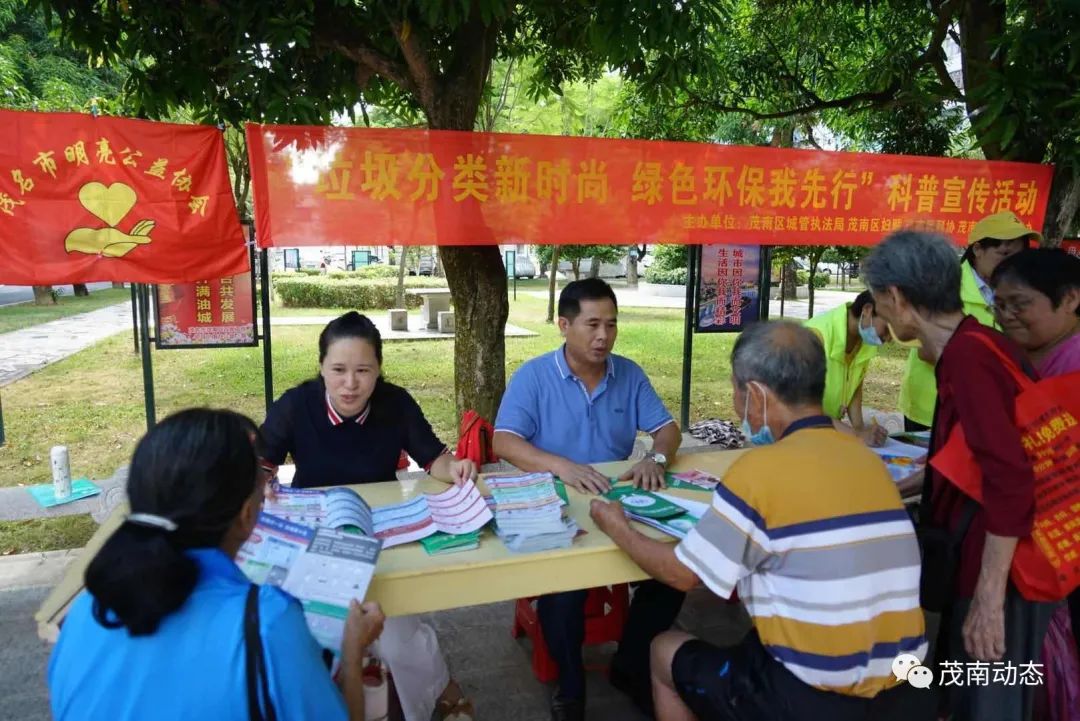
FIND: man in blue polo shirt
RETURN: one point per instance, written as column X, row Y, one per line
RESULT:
column 578, row 405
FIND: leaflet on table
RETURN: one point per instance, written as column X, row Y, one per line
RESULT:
column 667, row 513
column 457, row 510
column 692, row 480
column 902, row 459
column 335, row 569
column 334, row 508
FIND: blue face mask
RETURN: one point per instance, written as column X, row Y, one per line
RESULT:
column 869, row 334
column 763, row 436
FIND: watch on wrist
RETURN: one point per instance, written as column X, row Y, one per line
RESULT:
column 658, row 458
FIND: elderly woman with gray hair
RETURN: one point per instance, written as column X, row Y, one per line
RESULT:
column 967, row 545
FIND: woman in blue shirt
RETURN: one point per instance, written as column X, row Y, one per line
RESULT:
column 160, row 630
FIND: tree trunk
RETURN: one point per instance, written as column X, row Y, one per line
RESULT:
column 552, row 283
column 841, row 270
column 80, row 290
column 575, row 265
column 631, row 272
column 43, row 295
column 1062, row 206
column 117, row 285
column 399, row 301
column 782, row 299
column 788, row 282
column 810, row 293
column 477, row 280
column 594, row 270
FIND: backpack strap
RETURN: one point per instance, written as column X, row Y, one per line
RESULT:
column 255, row 663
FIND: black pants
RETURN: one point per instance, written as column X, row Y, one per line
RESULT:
column 744, row 683
column 562, row 619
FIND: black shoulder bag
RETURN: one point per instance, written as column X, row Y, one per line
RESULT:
column 255, row 663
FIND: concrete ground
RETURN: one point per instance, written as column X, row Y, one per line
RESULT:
column 492, row 667
column 30, row 349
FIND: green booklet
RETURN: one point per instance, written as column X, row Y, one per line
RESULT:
column 440, row 543
column 643, row 503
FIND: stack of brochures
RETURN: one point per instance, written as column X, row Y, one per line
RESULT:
column 529, row 515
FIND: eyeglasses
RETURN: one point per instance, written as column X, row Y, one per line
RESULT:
column 1012, row 307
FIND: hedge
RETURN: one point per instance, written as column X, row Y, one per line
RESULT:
column 675, row 276
column 367, row 271
column 299, row 291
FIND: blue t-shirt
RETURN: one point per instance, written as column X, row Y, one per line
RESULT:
column 193, row 666
column 551, row 408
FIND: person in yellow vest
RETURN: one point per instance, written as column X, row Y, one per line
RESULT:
column 992, row 240
column 852, row 334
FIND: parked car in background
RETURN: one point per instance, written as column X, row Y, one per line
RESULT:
column 426, row 265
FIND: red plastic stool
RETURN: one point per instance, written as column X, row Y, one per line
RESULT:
column 606, row 609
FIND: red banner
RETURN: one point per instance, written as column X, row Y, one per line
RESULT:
column 85, row 199
column 207, row 313
column 1071, row 246
column 340, row 186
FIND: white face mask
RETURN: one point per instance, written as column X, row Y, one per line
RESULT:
column 869, row 334
column 763, row 436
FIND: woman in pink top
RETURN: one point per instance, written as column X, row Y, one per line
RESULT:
column 1037, row 303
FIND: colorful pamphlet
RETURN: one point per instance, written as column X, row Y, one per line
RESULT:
column 692, row 481
column 457, row 510
column 323, row 567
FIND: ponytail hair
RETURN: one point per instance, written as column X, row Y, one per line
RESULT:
column 189, row 479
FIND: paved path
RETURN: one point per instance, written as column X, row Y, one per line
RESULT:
column 800, row 309
column 24, row 351
column 10, row 294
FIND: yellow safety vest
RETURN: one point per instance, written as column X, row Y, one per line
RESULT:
column 918, row 392
column 843, row 373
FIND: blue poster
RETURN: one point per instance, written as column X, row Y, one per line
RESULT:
column 728, row 288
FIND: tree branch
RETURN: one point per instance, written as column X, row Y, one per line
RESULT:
column 338, row 32
column 415, row 49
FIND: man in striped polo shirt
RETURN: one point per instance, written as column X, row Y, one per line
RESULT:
column 811, row 531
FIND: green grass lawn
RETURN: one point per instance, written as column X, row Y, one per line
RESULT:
column 93, row 401
column 24, row 315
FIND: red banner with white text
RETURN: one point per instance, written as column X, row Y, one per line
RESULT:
column 341, row 186
column 86, row 199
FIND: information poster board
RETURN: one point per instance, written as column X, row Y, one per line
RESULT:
column 207, row 313
column 728, row 288
column 360, row 258
column 292, row 258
